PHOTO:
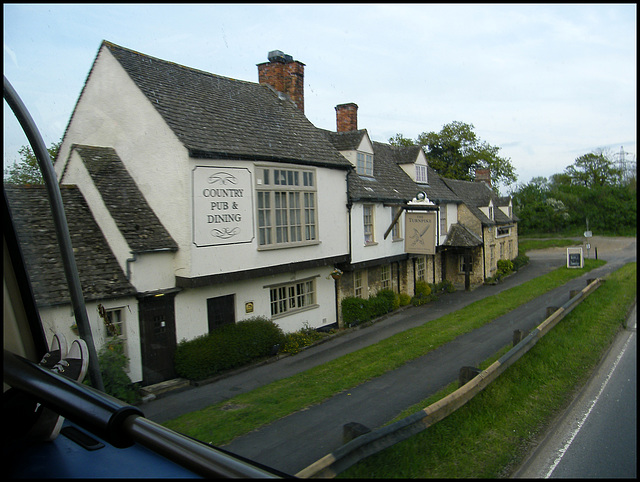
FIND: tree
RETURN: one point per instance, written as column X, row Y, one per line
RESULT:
column 594, row 169
column 400, row 140
column 27, row 170
column 456, row 152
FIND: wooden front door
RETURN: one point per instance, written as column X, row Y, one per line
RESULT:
column 157, row 338
column 221, row 311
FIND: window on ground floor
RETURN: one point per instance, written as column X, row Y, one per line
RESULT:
column 115, row 328
column 360, row 284
column 289, row 298
column 463, row 260
column 421, row 268
column 385, row 277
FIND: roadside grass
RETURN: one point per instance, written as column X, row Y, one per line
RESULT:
column 491, row 435
column 222, row 422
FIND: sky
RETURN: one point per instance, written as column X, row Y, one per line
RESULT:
column 546, row 83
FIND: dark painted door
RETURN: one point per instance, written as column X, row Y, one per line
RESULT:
column 158, row 338
column 221, row 311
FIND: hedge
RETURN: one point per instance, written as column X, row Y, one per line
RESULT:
column 227, row 347
column 358, row 310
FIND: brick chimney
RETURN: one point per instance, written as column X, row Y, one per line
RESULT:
column 347, row 117
column 483, row 175
column 285, row 75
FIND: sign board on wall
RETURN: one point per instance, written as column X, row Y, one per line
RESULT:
column 574, row 258
column 420, row 233
column 222, row 206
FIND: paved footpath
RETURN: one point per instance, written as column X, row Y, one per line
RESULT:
column 294, row 442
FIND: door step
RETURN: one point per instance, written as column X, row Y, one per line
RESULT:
column 151, row 392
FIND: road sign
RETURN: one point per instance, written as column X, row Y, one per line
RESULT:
column 588, row 234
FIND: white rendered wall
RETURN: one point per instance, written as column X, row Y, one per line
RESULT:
column 381, row 248
column 191, row 304
column 59, row 319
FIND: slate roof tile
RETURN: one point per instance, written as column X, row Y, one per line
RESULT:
column 460, row 237
column 476, row 195
column 100, row 274
column 216, row 116
column 134, row 217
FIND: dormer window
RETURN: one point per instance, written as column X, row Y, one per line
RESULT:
column 491, row 212
column 364, row 165
column 421, row 173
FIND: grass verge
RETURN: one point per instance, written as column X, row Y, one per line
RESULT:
column 221, row 422
column 492, row 433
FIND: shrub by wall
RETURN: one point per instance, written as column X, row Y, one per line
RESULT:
column 423, row 293
column 227, row 347
column 358, row 310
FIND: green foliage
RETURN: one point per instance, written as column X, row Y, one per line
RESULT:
column 27, row 171
column 505, row 266
column 594, row 169
column 404, row 299
column 295, row 341
column 591, row 189
column 520, row 261
column 423, row 294
column 456, row 152
column 357, row 310
column 445, row 286
column 116, row 382
column 227, row 347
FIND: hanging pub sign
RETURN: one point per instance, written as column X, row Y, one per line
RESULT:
column 222, row 206
column 420, row 233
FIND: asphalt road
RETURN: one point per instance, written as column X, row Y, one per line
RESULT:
column 294, row 442
column 596, row 437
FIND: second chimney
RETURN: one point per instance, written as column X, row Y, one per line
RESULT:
column 285, row 75
column 347, row 117
column 483, row 175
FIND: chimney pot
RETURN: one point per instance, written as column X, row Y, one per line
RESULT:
column 285, row 75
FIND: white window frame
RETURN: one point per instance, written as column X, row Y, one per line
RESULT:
column 396, row 232
column 364, row 164
column 286, row 207
column 442, row 212
column 502, row 232
column 421, row 268
column 385, row 276
column 290, row 298
column 369, row 224
column 360, row 288
column 119, row 325
column 421, row 174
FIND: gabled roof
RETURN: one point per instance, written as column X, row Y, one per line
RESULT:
column 216, row 116
column 460, row 237
column 345, row 141
column 100, row 274
column 406, row 154
column 135, row 219
column 476, row 195
column 389, row 182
